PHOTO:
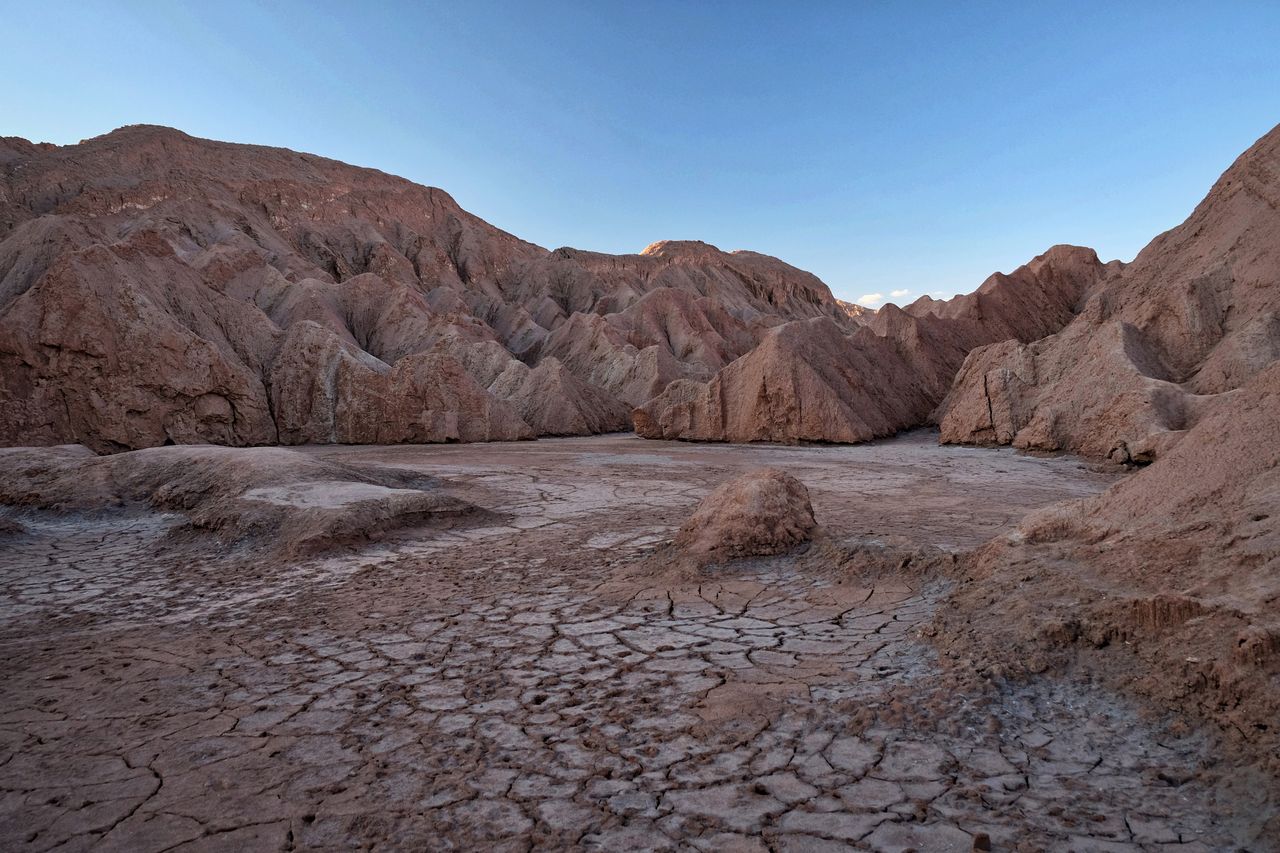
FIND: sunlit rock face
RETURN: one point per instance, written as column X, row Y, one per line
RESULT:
column 818, row 380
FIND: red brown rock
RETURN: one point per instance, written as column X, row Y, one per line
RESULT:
column 555, row 402
column 1169, row 580
column 156, row 288
column 132, row 367
column 326, row 390
column 854, row 311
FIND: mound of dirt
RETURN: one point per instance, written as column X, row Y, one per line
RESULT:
column 280, row 499
column 762, row 512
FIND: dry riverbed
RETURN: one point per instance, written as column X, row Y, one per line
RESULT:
column 494, row 685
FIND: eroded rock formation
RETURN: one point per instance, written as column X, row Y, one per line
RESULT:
column 1159, row 345
column 816, row 380
column 1168, row 582
column 762, row 512
column 156, row 288
column 281, row 501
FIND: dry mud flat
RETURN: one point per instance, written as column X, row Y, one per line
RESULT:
column 496, row 686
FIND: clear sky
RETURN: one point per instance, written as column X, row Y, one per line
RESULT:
column 890, row 148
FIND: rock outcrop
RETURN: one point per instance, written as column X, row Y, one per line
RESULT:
column 762, row 512
column 159, row 289
column 272, row 499
column 156, row 289
column 326, row 390
column 816, row 380
column 1160, row 344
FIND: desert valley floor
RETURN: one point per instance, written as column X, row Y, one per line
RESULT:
column 537, row 676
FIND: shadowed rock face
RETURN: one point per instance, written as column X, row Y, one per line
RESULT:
column 1160, row 344
column 156, row 288
column 816, row 380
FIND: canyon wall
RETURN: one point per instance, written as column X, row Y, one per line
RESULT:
column 156, row 288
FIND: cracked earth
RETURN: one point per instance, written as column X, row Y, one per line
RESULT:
column 496, row 687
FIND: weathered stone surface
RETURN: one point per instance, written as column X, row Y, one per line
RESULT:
column 555, row 402
column 282, row 500
column 94, row 350
column 1173, row 571
column 807, row 381
column 325, row 390
column 156, row 288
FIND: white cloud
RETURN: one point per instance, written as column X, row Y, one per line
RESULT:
column 870, row 298
column 898, row 293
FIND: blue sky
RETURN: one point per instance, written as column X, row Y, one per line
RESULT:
column 900, row 148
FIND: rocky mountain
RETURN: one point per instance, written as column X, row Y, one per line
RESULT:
column 1159, row 346
column 1166, row 584
column 156, row 288
column 854, row 310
